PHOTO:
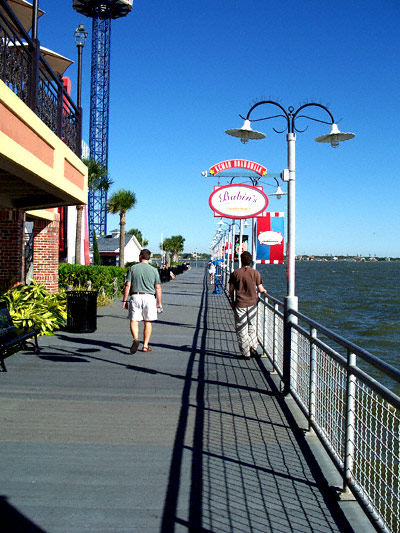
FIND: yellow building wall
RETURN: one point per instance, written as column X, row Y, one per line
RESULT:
column 30, row 150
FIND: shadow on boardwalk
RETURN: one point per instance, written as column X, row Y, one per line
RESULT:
column 251, row 468
column 187, row 438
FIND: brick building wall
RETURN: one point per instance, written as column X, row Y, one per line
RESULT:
column 45, row 253
column 12, row 247
column 12, row 264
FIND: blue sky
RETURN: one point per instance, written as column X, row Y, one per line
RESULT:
column 182, row 72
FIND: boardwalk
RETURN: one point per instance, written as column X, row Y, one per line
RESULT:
column 186, row 438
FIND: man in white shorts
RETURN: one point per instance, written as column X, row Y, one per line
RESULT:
column 142, row 296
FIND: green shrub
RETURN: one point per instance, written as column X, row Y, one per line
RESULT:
column 31, row 306
column 101, row 278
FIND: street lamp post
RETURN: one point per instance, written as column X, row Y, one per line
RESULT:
column 80, row 36
column 230, row 238
column 334, row 137
column 35, row 17
column 80, row 39
column 240, row 239
column 233, row 226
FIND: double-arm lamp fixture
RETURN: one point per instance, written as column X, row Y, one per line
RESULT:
column 334, row 137
column 246, row 133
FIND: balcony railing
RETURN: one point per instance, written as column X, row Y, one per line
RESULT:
column 28, row 75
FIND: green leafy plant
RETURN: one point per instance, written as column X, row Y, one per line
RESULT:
column 108, row 280
column 32, row 306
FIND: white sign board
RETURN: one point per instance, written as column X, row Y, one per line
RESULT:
column 238, row 201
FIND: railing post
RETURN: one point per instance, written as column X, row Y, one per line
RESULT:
column 350, row 419
column 33, row 78
column 258, row 316
column 275, row 336
column 265, row 325
column 60, row 103
column 313, row 381
column 263, row 321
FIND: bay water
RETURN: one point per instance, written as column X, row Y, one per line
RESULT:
column 357, row 300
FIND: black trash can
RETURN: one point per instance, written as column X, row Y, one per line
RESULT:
column 82, row 311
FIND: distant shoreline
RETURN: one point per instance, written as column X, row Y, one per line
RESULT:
column 354, row 259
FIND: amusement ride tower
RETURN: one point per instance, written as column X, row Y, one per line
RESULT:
column 101, row 12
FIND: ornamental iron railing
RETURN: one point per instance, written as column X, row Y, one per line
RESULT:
column 24, row 70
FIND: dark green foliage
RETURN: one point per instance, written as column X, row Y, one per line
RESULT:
column 138, row 234
column 173, row 245
column 101, row 277
column 129, row 264
column 96, row 254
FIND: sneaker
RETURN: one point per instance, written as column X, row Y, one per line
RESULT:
column 135, row 346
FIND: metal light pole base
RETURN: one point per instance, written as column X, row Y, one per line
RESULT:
column 218, row 289
column 289, row 358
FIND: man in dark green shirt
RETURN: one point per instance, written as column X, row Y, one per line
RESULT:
column 142, row 296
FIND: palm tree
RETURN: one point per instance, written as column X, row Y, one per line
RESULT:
column 97, row 179
column 119, row 203
column 174, row 245
column 138, row 234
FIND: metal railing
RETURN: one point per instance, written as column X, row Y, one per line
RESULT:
column 28, row 75
column 356, row 418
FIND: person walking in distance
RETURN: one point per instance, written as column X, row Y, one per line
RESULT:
column 243, row 286
column 211, row 271
column 142, row 296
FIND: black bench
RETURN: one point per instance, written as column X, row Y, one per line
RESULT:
column 10, row 341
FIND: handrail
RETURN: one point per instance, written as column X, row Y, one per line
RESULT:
column 368, row 357
column 356, row 417
column 392, row 371
column 358, row 372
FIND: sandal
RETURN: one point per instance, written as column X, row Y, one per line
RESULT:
column 147, row 349
column 135, row 346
